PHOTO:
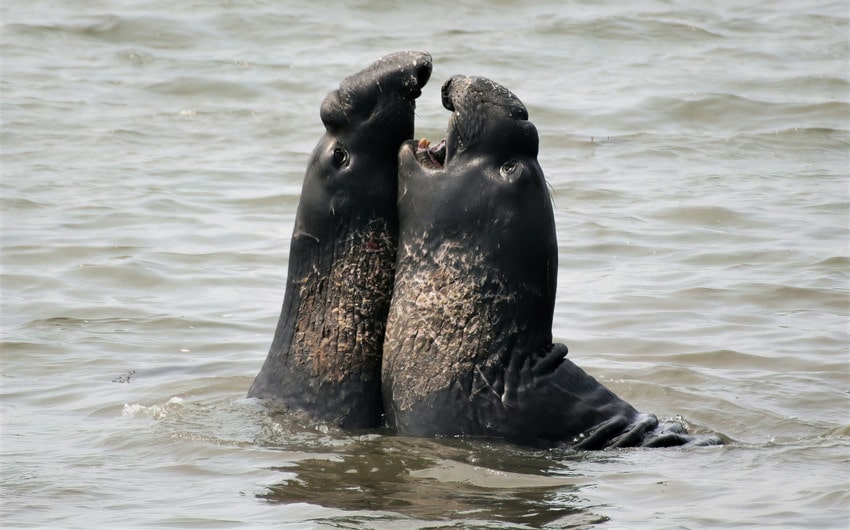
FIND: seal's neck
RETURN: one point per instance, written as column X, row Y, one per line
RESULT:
column 336, row 302
column 452, row 313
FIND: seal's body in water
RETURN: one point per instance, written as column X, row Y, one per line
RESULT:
column 325, row 358
column 468, row 348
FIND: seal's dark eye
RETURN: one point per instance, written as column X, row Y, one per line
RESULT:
column 340, row 157
column 508, row 169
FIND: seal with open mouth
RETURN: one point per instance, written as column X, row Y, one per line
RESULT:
column 468, row 347
column 325, row 358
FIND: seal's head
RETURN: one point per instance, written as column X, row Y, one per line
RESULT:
column 483, row 189
column 351, row 176
column 377, row 103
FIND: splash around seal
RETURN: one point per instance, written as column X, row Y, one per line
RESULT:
column 325, row 359
column 468, row 347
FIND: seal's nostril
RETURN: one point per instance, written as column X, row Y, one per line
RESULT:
column 423, row 73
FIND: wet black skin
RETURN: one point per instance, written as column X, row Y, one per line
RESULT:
column 325, row 358
column 479, row 233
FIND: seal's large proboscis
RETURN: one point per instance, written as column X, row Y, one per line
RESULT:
column 325, row 358
column 468, row 348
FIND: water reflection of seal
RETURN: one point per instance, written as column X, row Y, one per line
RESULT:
column 325, row 358
column 468, row 347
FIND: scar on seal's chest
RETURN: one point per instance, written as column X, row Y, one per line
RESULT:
column 441, row 322
column 373, row 246
column 342, row 314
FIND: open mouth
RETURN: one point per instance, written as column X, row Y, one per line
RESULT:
column 434, row 157
column 431, row 157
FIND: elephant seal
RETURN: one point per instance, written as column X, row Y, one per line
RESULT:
column 468, row 348
column 325, row 358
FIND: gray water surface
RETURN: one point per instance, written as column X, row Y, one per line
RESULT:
column 152, row 157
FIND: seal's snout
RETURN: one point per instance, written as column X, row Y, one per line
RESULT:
column 408, row 71
column 420, row 74
column 423, row 70
column 474, row 94
column 389, row 86
column 446, row 92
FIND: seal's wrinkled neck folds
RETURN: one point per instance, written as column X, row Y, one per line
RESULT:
column 447, row 319
column 340, row 321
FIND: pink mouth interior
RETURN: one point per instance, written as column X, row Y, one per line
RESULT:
column 434, row 157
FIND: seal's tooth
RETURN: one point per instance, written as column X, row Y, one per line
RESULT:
column 424, row 143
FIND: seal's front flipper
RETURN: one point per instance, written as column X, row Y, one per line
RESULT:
column 669, row 436
column 636, row 432
column 642, row 431
column 705, row 441
column 601, row 435
column 675, row 434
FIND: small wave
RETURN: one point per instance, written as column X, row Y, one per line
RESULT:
column 736, row 113
column 156, row 412
column 702, row 215
column 22, row 203
column 782, row 88
column 725, row 359
column 196, row 86
column 148, row 31
column 842, row 431
column 834, row 263
column 640, row 27
column 789, row 296
column 824, row 144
